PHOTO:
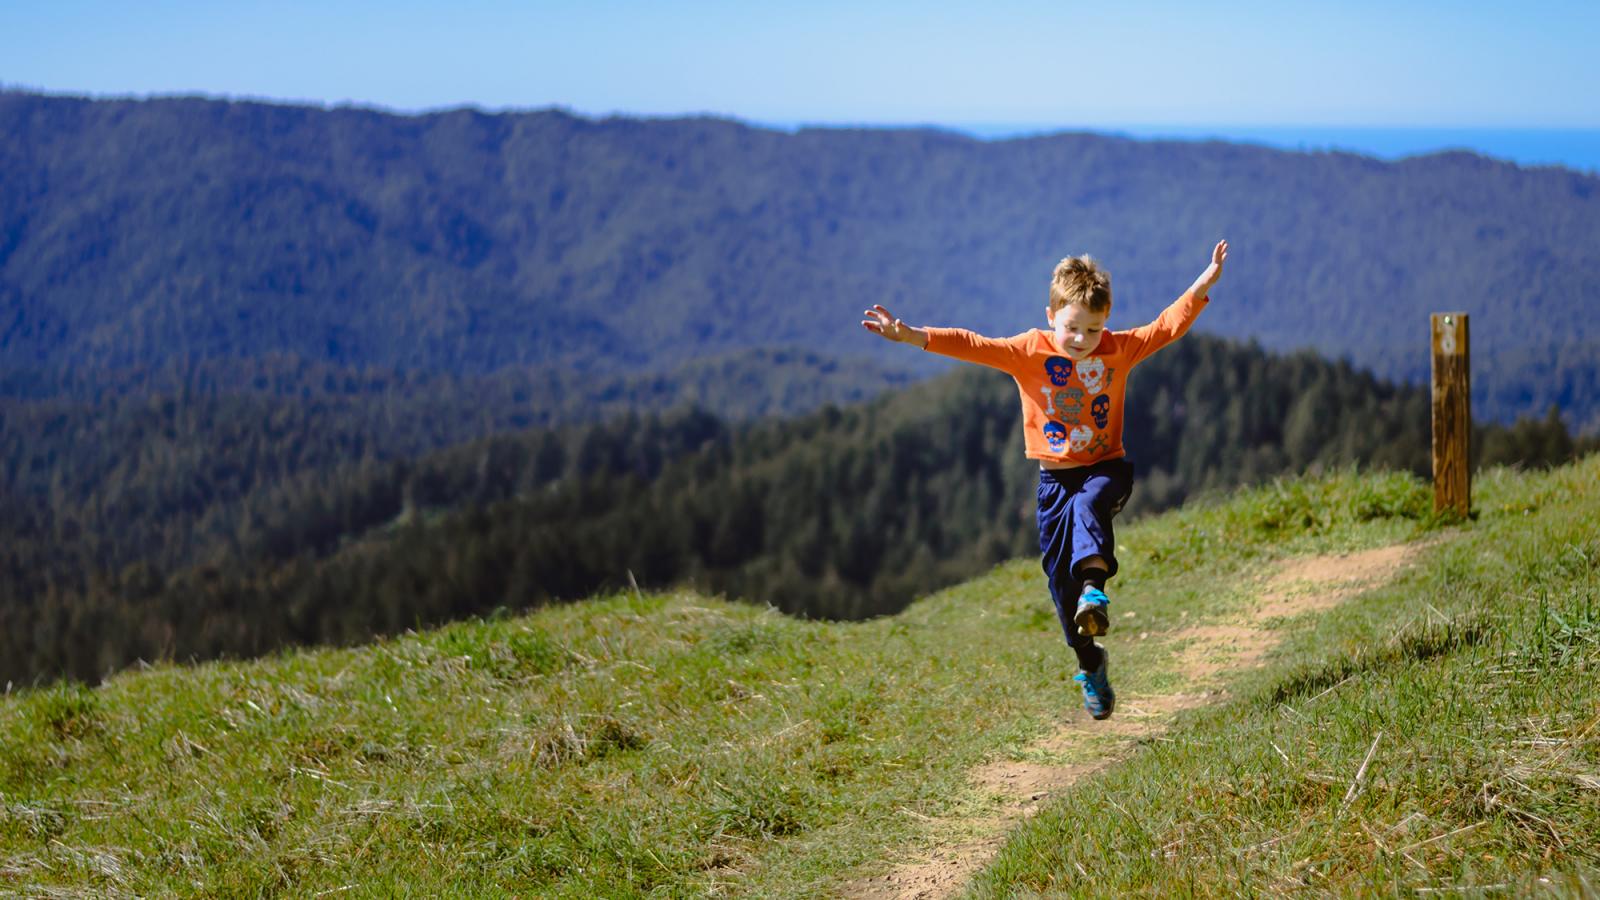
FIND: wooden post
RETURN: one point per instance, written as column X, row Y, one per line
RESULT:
column 1452, row 414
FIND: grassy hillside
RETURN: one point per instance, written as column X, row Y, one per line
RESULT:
column 1468, row 685
column 675, row 744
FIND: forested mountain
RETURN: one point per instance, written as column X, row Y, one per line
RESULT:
column 297, row 507
column 139, row 233
column 170, row 467
column 275, row 374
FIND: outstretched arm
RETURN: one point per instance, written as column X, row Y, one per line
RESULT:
column 880, row 322
column 1213, row 272
column 1175, row 320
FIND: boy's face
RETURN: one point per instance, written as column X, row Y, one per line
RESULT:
column 1078, row 331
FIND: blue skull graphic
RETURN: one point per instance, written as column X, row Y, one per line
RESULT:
column 1059, row 368
column 1056, row 435
column 1101, row 410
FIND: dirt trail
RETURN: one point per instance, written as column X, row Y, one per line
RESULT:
column 962, row 846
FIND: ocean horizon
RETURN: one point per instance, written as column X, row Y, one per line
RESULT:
column 1574, row 148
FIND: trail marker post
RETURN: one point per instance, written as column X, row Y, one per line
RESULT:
column 1452, row 414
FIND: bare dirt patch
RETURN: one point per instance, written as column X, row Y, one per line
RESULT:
column 1017, row 789
column 1321, row 582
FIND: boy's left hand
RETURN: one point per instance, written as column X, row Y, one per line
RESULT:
column 1213, row 272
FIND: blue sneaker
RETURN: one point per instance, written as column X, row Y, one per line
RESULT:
column 1098, row 698
column 1093, row 617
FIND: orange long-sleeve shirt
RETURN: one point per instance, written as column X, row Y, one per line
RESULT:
column 1071, row 411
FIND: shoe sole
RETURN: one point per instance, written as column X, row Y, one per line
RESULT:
column 1092, row 620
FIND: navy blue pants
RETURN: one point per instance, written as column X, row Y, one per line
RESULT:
column 1076, row 507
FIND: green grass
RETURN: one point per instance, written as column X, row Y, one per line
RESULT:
column 1474, row 683
column 679, row 745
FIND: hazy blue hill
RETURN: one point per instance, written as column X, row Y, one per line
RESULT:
column 135, row 231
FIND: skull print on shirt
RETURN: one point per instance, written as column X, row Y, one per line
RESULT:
column 1055, row 434
column 1063, row 403
column 1079, row 438
column 1059, row 368
column 1101, row 410
column 1071, row 402
column 1091, row 372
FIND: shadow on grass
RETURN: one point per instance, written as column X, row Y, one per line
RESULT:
column 1415, row 643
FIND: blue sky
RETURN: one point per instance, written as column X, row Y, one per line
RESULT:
column 996, row 65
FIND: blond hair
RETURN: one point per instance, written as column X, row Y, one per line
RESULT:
column 1079, row 281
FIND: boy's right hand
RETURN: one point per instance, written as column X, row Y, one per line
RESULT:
column 880, row 321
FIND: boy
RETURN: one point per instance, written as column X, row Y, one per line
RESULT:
column 1071, row 380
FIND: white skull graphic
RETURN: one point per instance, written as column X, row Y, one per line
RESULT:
column 1079, row 438
column 1090, row 372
